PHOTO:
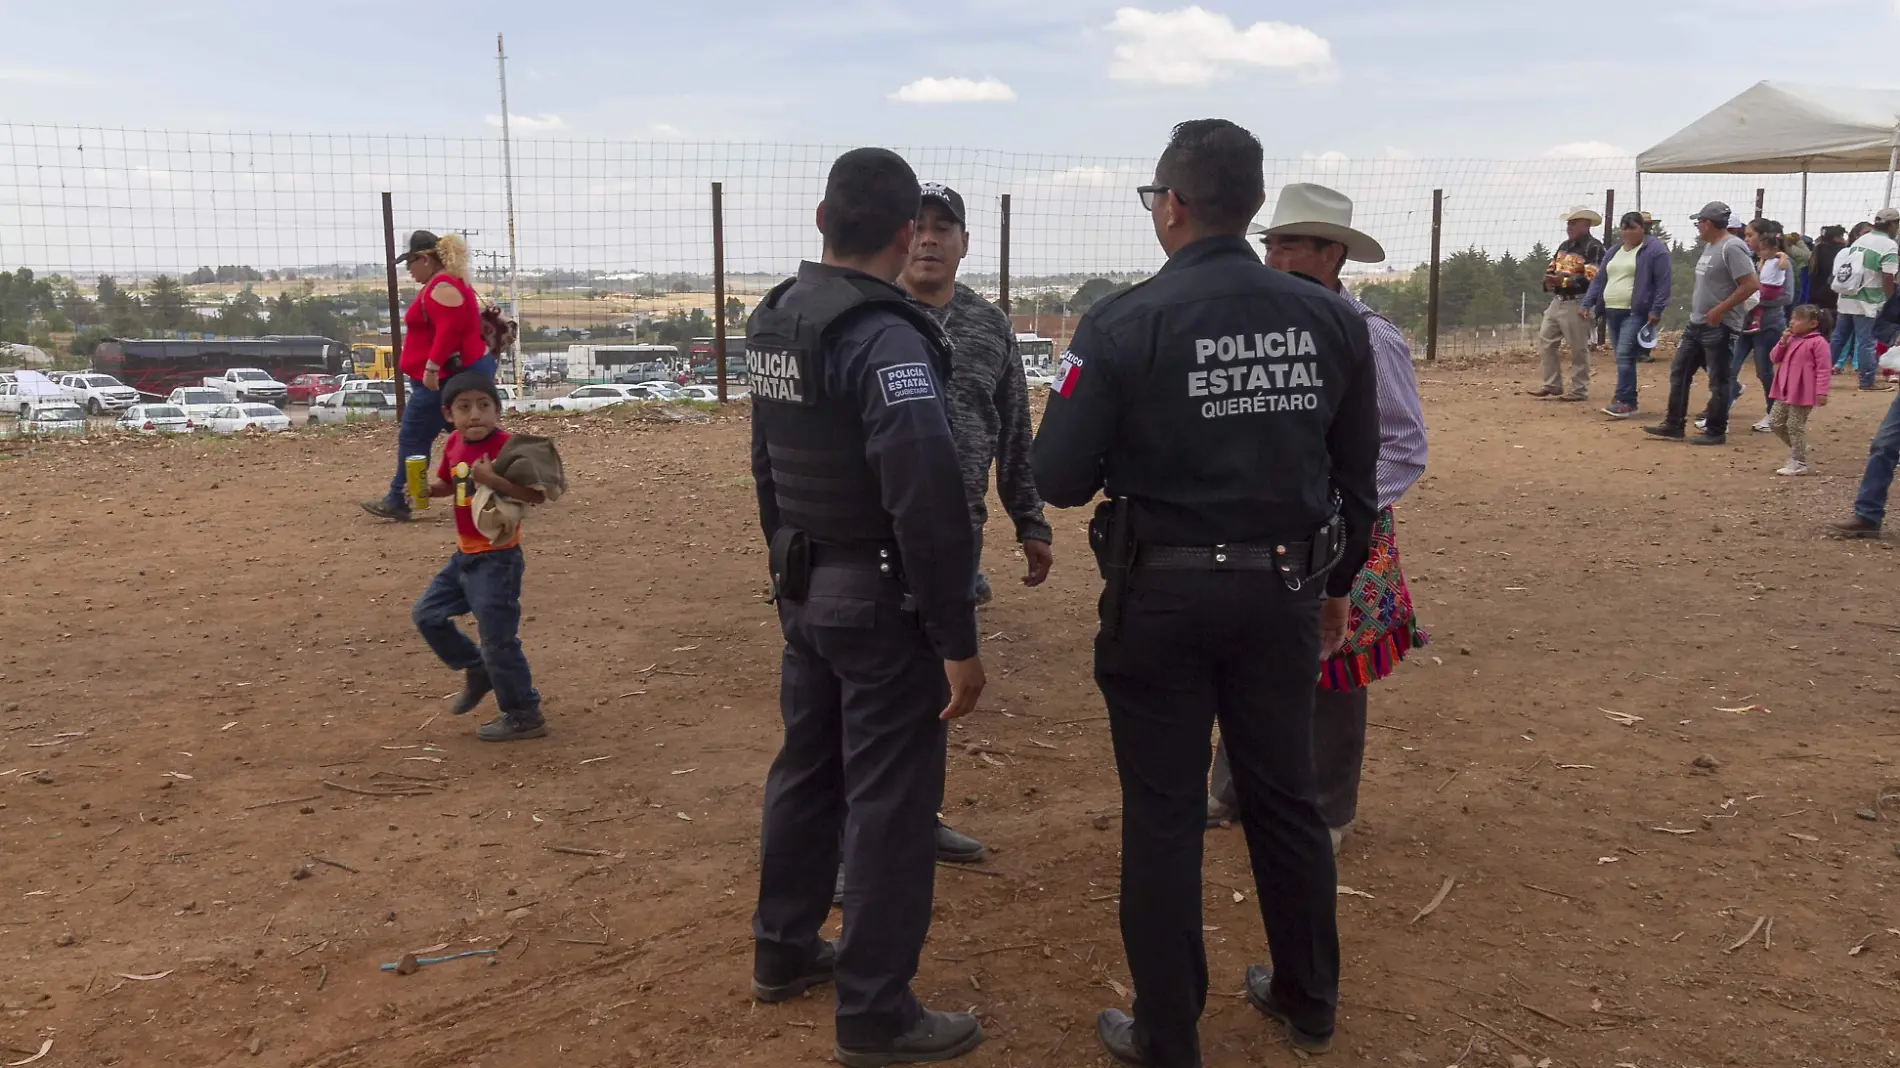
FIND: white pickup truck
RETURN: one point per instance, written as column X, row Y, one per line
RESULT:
column 241, row 384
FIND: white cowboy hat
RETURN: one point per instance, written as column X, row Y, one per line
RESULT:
column 1581, row 212
column 1308, row 210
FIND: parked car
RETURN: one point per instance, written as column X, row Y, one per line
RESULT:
column 98, row 394
column 241, row 384
column 156, row 419
column 1039, row 379
column 386, row 385
column 661, row 391
column 197, row 401
column 28, row 389
column 353, row 406
column 588, row 398
column 711, row 393
column 53, row 418
column 305, row 388
column 233, row 418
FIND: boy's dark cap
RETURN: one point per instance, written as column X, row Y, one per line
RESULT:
column 469, row 381
column 421, row 243
column 945, row 197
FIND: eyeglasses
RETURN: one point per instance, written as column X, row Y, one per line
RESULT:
column 1149, row 193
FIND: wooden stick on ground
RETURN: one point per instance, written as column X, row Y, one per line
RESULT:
column 1437, row 900
column 1750, row 936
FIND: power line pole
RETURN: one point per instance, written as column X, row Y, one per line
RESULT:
column 508, row 179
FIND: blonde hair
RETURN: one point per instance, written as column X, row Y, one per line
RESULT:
column 452, row 253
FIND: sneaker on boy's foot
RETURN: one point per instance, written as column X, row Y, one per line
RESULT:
column 1620, row 410
column 1793, row 467
column 474, row 688
column 1702, row 422
column 507, row 728
column 1763, row 426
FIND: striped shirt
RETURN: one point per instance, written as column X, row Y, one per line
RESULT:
column 1401, row 415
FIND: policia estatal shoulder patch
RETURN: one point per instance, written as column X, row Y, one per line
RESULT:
column 907, row 382
column 782, row 375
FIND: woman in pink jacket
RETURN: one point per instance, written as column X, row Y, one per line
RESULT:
column 1803, row 367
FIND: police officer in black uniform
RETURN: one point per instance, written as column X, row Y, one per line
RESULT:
column 1225, row 407
column 861, row 500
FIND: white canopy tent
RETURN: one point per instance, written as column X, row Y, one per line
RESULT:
column 1782, row 128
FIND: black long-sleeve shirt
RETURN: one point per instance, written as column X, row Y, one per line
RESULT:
column 883, row 363
column 1227, row 400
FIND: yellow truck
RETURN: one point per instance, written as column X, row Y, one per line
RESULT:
column 373, row 361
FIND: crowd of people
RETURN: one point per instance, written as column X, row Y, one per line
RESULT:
column 1802, row 309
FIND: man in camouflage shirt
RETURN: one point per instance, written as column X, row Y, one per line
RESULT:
column 989, row 398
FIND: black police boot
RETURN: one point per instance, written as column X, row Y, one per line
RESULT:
column 1116, row 1030
column 1664, row 430
column 475, row 686
column 1706, row 438
column 1260, row 992
column 511, row 728
column 382, row 509
column 939, row 1036
column 774, row 989
column 958, row 848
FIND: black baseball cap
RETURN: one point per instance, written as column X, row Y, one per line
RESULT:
column 420, row 242
column 947, row 197
column 1714, row 211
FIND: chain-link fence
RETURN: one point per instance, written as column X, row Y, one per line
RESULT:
column 167, row 233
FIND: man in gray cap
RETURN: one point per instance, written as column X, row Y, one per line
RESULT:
column 1724, row 278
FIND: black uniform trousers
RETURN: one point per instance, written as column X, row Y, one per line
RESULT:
column 1240, row 646
column 861, row 770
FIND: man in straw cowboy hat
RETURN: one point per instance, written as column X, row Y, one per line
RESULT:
column 1567, row 279
column 1312, row 236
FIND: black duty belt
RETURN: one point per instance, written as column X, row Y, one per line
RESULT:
column 879, row 558
column 1293, row 557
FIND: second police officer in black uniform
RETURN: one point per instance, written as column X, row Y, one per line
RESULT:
column 1230, row 412
column 861, row 499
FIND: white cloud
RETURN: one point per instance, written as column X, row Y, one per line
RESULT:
column 1194, row 46
column 42, row 76
column 1327, row 159
column 1094, row 177
column 1400, row 153
column 1586, row 150
column 954, row 91
column 528, row 124
column 666, row 130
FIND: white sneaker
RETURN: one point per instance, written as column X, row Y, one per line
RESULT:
column 1794, row 467
column 1764, row 426
column 1338, row 835
column 1702, row 422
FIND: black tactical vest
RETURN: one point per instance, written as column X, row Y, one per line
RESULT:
column 815, row 440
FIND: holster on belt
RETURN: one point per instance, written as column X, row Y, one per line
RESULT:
column 1112, row 540
column 790, row 558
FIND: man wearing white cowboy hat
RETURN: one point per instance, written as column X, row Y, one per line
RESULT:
column 1567, row 279
column 1312, row 236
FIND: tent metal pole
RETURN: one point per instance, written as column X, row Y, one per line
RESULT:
column 1893, row 164
column 1804, row 201
column 1639, row 190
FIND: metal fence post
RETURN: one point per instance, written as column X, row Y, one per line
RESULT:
column 395, row 303
column 1609, row 216
column 1431, row 308
column 1759, row 194
column 1003, row 259
column 719, row 285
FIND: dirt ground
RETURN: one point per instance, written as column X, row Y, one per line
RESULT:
column 208, row 677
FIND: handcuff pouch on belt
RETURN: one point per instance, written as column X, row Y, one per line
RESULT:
column 1112, row 540
column 790, row 558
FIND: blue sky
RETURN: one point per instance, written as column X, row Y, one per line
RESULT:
column 1458, row 78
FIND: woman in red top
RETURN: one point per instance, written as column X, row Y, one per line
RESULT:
column 442, row 337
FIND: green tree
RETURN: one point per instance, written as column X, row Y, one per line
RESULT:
column 243, row 316
column 124, row 316
column 735, row 310
column 166, row 305
column 1091, row 291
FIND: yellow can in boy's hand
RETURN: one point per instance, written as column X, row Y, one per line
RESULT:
column 417, row 468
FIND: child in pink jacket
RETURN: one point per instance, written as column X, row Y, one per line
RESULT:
column 1803, row 367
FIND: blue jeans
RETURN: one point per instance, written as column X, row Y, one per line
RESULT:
column 1623, row 328
column 1760, row 343
column 1871, row 502
column 422, row 423
column 1853, row 344
column 1703, row 347
column 488, row 587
